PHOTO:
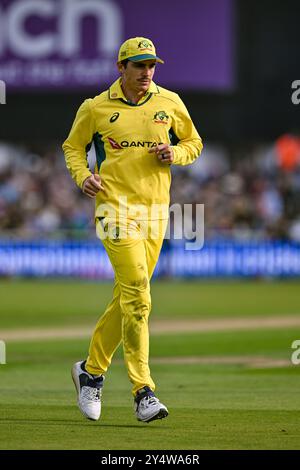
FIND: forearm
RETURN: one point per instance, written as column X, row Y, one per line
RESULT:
column 187, row 151
column 76, row 145
column 76, row 162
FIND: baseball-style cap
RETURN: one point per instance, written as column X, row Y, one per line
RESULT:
column 137, row 49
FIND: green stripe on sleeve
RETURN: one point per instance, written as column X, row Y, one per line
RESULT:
column 99, row 149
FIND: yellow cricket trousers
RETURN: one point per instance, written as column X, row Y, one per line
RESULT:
column 133, row 249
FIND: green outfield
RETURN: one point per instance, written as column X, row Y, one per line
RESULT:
column 32, row 303
column 225, row 389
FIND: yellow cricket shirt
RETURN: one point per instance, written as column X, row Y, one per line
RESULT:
column 123, row 133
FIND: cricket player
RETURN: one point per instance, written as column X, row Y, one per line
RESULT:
column 139, row 130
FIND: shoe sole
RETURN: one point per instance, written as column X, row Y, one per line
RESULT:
column 163, row 413
column 77, row 387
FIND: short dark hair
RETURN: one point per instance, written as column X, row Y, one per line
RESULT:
column 125, row 62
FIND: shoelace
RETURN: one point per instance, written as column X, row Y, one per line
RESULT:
column 91, row 393
column 150, row 401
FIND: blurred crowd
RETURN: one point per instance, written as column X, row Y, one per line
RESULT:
column 249, row 193
column 38, row 198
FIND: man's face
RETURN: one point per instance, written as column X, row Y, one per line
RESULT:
column 137, row 76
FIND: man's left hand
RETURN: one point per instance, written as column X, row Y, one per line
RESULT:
column 164, row 153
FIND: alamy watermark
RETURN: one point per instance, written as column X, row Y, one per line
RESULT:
column 295, row 97
column 186, row 222
column 295, row 358
column 2, row 92
column 2, row 352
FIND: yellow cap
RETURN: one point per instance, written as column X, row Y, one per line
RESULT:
column 137, row 49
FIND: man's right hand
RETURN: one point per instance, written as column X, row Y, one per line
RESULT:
column 92, row 185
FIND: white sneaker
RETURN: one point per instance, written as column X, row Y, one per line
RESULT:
column 148, row 407
column 89, row 391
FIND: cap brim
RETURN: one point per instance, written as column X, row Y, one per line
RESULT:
column 139, row 58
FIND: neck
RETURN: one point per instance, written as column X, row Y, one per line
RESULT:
column 132, row 95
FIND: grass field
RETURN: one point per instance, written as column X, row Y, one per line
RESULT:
column 213, row 405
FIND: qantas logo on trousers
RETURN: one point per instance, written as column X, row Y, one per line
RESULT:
column 125, row 144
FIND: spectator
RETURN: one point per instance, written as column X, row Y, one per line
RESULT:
column 247, row 196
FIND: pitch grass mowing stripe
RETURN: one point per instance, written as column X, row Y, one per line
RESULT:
column 35, row 303
column 259, row 362
column 263, row 343
column 158, row 327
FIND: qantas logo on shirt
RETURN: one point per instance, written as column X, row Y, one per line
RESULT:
column 126, row 143
column 114, row 144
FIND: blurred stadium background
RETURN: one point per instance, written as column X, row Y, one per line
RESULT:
column 235, row 64
column 232, row 62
